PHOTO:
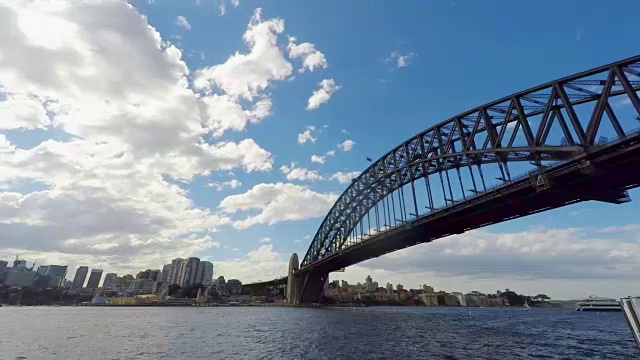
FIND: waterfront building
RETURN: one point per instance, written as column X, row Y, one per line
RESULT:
column 175, row 275
column 149, row 274
column 368, row 284
column 58, row 271
column 94, row 279
column 141, row 286
column 344, row 284
column 110, row 282
column 54, row 281
column 234, row 287
column 190, row 272
column 160, row 287
column 427, row 289
column 166, row 271
column 389, row 288
column 21, row 277
column 472, row 300
column 399, row 288
column 429, row 299
column 154, row 274
column 80, row 277
column 451, row 300
column 204, row 275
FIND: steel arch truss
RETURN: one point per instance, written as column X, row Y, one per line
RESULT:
column 480, row 136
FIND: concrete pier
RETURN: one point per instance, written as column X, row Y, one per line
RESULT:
column 294, row 283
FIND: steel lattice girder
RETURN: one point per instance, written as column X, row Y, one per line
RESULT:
column 434, row 150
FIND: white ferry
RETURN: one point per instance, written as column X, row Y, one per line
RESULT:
column 594, row 303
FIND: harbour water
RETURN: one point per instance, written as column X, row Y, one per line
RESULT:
column 308, row 333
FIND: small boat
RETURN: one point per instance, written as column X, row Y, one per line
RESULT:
column 594, row 303
column 526, row 305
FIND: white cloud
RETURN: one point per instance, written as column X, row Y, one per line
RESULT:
column 297, row 173
column 231, row 184
column 344, row 131
column 265, row 240
column 182, row 22
column 331, row 153
column 317, row 159
column 311, row 58
column 306, row 135
column 127, row 126
column 564, row 263
column 247, row 75
column 401, row 60
column 347, row 145
column 276, row 203
column 22, row 111
column 222, row 7
column 5, row 145
column 344, row 177
column 263, row 263
column 621, row 229
column 327, row 88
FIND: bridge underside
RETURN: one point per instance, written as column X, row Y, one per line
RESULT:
column 601, row 175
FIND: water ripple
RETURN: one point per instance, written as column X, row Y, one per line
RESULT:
column 335, row 333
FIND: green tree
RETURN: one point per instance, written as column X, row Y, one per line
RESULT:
column 174, row 289
column 542, row 297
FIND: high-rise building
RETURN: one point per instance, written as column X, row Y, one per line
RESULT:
column 80, row 277
column 368, row 284
column 110, row 281
column 154, row 274
column 205, row 273
column 94, row 279
column 190, row 271
column 3, row 265
column 175, row 276
column 389, row 288
column 42, row 269
column 166, row 271
column 57, row 270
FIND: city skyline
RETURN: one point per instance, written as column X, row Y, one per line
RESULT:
column 157, row 282
column 242, row 143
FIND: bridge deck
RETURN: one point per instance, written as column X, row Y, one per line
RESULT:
column 614, row 170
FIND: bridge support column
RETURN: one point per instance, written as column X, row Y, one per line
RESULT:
column 294, row 282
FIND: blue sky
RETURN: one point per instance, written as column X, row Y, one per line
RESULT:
column 396, row 69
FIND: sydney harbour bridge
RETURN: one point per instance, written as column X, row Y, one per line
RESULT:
column 567, row 141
